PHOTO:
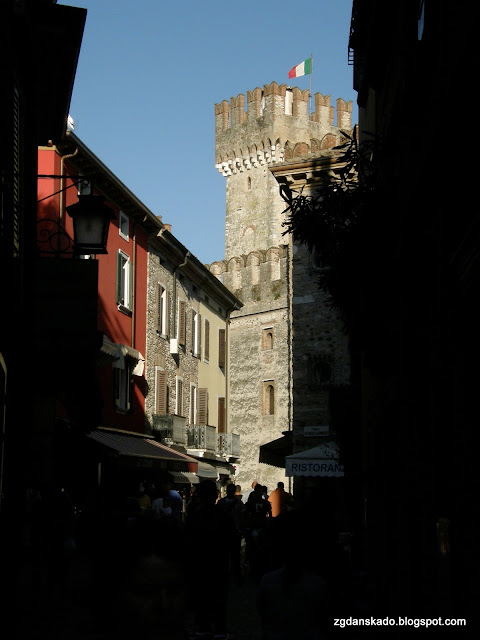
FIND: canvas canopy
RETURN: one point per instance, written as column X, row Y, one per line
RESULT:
column 322, row 460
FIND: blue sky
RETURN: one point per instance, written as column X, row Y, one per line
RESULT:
column 151, row 71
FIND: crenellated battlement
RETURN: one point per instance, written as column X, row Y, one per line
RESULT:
column 257, row 269
column 276, row 125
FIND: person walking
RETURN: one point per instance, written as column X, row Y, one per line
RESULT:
column 257, row 511
column 233, row 507
column 210, row 533
column 249, row 491
column 280, row 500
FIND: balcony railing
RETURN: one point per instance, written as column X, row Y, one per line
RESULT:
column 228, row 445
column 170, row 428
column 202, row 436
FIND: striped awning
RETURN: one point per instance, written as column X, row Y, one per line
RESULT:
column 131, row 446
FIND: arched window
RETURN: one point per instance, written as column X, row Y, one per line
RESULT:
column 267, row 339
column 271, row 399
column 268, row 408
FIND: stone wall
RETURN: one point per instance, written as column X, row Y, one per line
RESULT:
column 320, row 351
column 185, row 366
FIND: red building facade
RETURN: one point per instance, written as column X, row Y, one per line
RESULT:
column 121, row 303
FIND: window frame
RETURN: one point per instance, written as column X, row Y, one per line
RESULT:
column 161, row 391
column 181, row 328
column 206, row 341
column 162, row 310
column 193, row 403
column 268, row 398
column 124, row 282
column 222, row 348
column 196, row 334
column 123, row 387
column 267, row 338
column 122, row 219
column 179, row 397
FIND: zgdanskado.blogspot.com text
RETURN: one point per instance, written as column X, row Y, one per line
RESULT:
column 400, row 622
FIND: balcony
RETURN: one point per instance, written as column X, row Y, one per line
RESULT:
column 202, row 437
column 170, row 428
column 228, row 445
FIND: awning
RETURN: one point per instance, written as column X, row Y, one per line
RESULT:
column 275, row 452
column 206, row 471
column 318, row 461
column 226, row 470
column 184, row 477
column 140, row 451
column 124, row 351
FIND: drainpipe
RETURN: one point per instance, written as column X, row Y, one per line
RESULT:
column 134, row 278
column 62, row 183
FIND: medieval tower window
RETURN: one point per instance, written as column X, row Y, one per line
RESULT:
column 320, row 371
column 249, row 183
column 268, row 408
column 267, row 339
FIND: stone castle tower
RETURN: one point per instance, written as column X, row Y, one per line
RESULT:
column 259, row 262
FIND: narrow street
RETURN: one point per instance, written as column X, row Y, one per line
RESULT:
column 68, row 614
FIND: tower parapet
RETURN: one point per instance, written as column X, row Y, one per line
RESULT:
column 276, row 117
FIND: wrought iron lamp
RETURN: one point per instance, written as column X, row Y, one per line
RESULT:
column 91, row 220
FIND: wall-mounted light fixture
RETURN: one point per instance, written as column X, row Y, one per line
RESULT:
column 91, row 220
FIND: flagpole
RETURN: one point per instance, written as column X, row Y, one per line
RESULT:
column 311, row 73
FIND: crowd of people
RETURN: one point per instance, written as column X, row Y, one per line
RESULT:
column 142, row 561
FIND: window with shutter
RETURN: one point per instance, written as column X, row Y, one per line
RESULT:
column 203, row 406
column 179, row 398
column 193, row 403
column 221, row 348
column 162, row 310
column 168, row 313
column 221, row 415
column 196, row 333
column 182, row 310
column 199, row 336
column 206, row 348
column 161, row 405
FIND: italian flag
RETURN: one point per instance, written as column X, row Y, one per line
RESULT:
column 301, row 69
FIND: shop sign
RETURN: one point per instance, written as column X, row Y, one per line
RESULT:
column 326, row 468
column 313, row 431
